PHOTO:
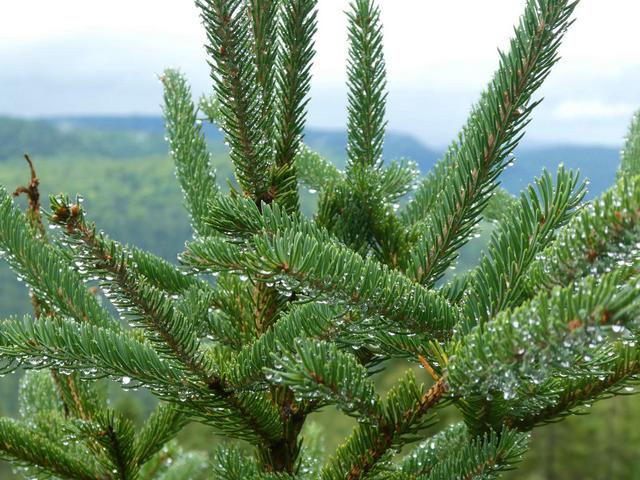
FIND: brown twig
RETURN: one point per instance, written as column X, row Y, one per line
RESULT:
column 32, row 192
column 429, row 368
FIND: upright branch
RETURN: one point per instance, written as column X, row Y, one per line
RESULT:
column 630, row 161
column 239, row 93
column 264, row 30
column 297, row 28
column 499, row 281
column 360, row 209
column 366, row 83
column 449, row 203
column 188, row 148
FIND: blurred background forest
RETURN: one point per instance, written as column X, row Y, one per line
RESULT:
column 121, row 167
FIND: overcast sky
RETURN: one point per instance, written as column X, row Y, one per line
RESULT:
column 96, row 57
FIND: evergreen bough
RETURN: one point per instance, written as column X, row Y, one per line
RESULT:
column 303, row 311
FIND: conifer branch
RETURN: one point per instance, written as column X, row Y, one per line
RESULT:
column 619, row 375
column 548, row 334
column 398, row 179
column 233, row 322
column 630, row 158
column 94, row 350
column 302, row 312
column 319, row 371
column 210, row 107
column 359, row 210
column 191, row 465
column 499, row 206
column 298, row 26
column 100, row 352
column 264, row 28
column 455, row 289
column 314, row 171
column 227, row 217
column 240, row 220
column 235, row 81
column 498, row 282
column 68, row 388
column 161, row 426
column 164, row 275
column 42, row 268
column 469, row 170
column 602, row 236
column 231, row 463
column 389, row 340
column 145, row 305
column 114, row 439
column 169, row 330
column 454, row 453
column 425, row 457
column 312, row 320
column 301, row 262
column 366, row 86
column 80, row 400
column 188, row 148
column 24, row 445
column 406, row 411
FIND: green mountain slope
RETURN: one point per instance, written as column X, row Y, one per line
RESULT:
column 133, row 136
column 40, row 137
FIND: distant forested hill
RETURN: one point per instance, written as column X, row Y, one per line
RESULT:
column 47, row 138
column 331, row 143
column 138, row 136
column 596, row 163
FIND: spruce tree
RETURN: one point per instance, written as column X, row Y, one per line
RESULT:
column 271, row 316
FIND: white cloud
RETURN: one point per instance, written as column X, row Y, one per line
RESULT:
column 592, row 110
column 91, row 56
column 425, row 40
